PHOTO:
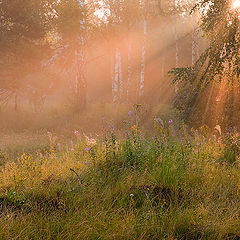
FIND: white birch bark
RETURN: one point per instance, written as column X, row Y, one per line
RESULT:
column 59, row 51
column 80, row 80
column 176, row 41
column 176, row 35
column 177, row 46
column 142, row 71
column 112, row 62
column 116, row 76
column 129, row 74
column 117, row 89
column 120, row 76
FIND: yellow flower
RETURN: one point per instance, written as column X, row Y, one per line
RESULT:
column 134, row 128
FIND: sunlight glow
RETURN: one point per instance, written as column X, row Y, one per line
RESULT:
column 236, row 4
column 102, row 12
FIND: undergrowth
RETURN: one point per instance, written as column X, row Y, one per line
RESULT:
column 175, row 184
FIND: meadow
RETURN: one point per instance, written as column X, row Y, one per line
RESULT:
column 130, row 174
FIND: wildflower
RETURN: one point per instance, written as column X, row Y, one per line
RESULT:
column 76, row 132
column 196, row 151
column 147, row 188
column 130, row 113
column 87, row 149
column 85, row 163
column 134, row 128
column 218, row 128
column 198, row 144
column 170, row 121
column 90, row 141
column 148, row 149
column 131, row 195
column 72, row 149
column 137, row 105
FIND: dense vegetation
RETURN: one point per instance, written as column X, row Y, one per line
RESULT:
column 108, row 149
column 174, row 183
column 214, row 77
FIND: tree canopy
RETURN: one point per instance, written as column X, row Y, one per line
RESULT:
column 219, row 23
column 23, row 45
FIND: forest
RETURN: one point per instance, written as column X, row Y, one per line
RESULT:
column 119, row 119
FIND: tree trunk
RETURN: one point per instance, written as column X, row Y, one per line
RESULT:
column 117, row 86
column 80, row 80
column 16, row 102
column 142, row 76
column 116, row 77
column 176, row 41
column 129, row 62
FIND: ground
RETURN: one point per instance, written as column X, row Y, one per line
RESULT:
column 122, row 182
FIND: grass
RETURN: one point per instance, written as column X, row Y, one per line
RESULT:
column 172, row 184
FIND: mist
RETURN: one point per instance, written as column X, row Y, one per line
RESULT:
column 119, row 119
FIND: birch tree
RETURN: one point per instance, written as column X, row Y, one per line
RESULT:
column 70, row 51
column 117, row 87
column 176, row 34
column 80, row 83
column 219, row 21
column 143, row 57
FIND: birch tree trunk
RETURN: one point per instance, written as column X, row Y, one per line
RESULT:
column 16, row 102
column 176, row 35
column 142, row 75
column 176, row 40
column 117, row 86
column 80, row 80
column 143, row 5
column 129, row 62
column 117, row 69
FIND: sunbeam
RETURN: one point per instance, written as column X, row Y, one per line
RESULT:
column 236, row 4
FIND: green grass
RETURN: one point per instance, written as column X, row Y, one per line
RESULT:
column 166, row 185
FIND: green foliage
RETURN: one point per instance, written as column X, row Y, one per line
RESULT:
column 130, row 188
column 69, row 15
column 220, row 24
column 24, row 20
column 23, row 46
column 12, row 198
column 230, row 151
column 230, row 154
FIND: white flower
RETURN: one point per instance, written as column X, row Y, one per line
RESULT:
column 218, row 128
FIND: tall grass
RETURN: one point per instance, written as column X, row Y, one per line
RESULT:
column 174, row 184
